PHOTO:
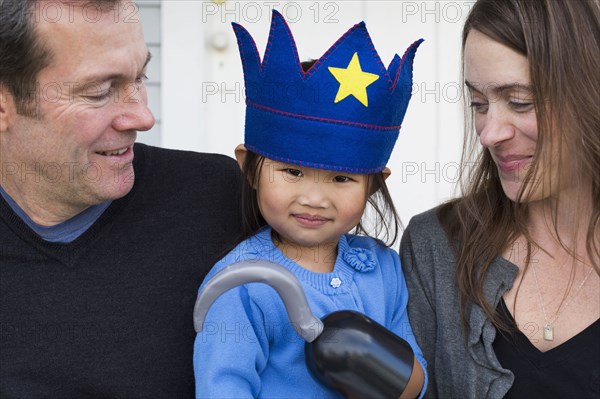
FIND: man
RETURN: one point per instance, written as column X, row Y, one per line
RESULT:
column 101, row 251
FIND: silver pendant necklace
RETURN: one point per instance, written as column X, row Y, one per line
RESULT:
column 548, row 331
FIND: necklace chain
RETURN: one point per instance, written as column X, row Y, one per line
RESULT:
column 549, row 328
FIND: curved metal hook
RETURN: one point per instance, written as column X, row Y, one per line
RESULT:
column 307, row 325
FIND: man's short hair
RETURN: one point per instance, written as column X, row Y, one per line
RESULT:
column 22, row 53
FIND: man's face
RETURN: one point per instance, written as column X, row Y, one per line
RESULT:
column 91, row 102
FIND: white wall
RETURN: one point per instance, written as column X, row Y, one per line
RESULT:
column 201, row 86
column 150, row 14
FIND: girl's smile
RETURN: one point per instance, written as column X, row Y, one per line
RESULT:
column 310, row 220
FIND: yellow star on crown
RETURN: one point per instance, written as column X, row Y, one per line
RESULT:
column 353, row 81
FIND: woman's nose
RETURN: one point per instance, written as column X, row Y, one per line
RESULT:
column 496, row 127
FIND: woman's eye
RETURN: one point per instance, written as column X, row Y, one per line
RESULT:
column 293, row 172
column 479, row 107
column 521, row 106
column 341, row 179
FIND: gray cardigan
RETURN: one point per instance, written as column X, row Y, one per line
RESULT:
column 458, row 368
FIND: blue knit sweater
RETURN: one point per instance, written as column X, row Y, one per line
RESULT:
column 248, row 347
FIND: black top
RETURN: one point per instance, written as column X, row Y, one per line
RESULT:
column 571, row 370
column 110, row 315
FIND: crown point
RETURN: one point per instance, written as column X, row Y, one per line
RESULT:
column 248, row 51
column 281, row 46
column 406, row 68
column 276, row 13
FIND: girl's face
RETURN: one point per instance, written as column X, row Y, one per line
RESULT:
column 310, row 208
column 503, row 107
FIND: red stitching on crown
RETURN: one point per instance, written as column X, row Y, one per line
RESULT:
column 382, row 69
column 402, row 63
column 335, row 45
column 317, row 119
column 253, row 43
column 294, row 46
column 268, row 48
column 270, row 43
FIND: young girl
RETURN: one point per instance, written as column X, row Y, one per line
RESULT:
column 312, row 163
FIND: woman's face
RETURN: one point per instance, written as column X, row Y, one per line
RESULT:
column 504, row 113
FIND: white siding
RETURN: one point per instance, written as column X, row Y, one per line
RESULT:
column 149, row 11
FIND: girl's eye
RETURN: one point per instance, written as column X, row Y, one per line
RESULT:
column 293, row 172
column 341, row 179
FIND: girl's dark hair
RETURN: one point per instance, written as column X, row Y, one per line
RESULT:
column 561, row 40
column 252, row 219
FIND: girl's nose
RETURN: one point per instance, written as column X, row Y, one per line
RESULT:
column 314, row 195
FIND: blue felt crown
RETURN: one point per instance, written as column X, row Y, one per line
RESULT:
column 344, row 113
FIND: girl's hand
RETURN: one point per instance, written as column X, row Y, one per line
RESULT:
column 415, row 383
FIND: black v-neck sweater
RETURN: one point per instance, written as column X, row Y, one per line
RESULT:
column 110, row 314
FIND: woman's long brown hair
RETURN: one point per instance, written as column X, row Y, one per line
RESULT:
column 561, row 40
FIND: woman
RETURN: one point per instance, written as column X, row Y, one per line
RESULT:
column 503, row 281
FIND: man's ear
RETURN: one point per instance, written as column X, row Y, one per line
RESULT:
column 240, row 154
column 8, row 109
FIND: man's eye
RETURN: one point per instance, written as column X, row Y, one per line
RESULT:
column 141, row 79
column 101, row 96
